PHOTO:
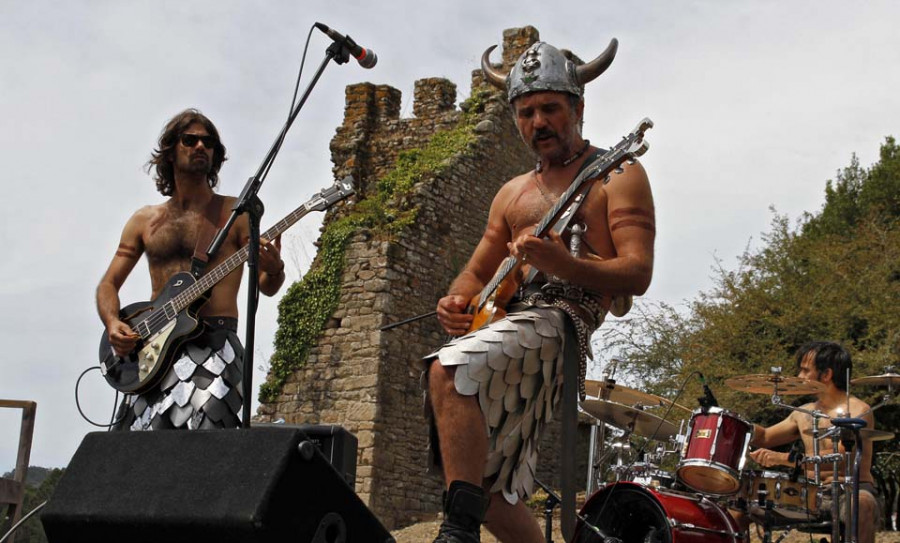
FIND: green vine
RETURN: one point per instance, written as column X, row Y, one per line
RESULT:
column 308, row 304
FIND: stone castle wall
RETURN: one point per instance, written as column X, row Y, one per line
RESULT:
column 366, row 380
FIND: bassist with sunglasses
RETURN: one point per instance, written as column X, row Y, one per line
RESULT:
column 200, row 389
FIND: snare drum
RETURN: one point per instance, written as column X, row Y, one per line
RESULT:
column 714, row 452
column 636, row 514
column 792, row 501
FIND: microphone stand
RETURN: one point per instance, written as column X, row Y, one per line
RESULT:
column 249, row 203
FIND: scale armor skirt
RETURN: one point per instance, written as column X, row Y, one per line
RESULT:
column 515, row 367
column 202, row 390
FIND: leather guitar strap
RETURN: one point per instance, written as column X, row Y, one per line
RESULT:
column 570, row 407
column 210, row 224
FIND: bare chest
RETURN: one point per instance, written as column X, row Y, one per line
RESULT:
column 532, row 206
column 171, row 237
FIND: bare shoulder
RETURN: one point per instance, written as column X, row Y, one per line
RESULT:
column 858, row 407
column 146, row 216
column 514, row 186
column 631, row 182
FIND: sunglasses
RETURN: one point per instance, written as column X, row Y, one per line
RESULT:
column 190, row 140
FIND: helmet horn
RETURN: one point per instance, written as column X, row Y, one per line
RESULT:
column 493, row 76
column 590, row 71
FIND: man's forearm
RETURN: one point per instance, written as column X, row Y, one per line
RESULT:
column 466, row 284
column 108, row 303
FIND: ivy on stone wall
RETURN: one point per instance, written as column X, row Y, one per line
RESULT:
column 309, row 303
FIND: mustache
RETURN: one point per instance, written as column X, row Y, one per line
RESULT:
column 543, row 133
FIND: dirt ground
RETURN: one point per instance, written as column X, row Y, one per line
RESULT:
column 425, row 532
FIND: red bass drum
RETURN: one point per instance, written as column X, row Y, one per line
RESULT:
column 633, row 513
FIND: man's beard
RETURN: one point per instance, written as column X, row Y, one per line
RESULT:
column 556, row 156
column 196, row 166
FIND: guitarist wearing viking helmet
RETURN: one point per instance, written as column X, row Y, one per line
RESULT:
column 201, row 389
column 491, row 391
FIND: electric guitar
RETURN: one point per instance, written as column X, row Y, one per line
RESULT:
column 170, row 320
column 488, row 305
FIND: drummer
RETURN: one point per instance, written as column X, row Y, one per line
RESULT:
column 827, row 363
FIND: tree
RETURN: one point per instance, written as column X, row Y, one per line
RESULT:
column 834, row 275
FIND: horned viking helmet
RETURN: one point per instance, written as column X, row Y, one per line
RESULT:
column 543, row 67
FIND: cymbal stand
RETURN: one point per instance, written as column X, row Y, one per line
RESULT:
column 816, row 416
column 855, row 425
column 595, row 473
column 836, row 488
column 887, row 398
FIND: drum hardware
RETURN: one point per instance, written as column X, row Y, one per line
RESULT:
column 868, row 434
column 855, row 425
column 552, row 501
column 630, row 419
column 774, row 383
column 889, row 378
column 607, row 389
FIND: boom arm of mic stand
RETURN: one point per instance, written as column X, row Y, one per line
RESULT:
column 249, row 202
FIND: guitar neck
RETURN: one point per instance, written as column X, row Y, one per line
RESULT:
column 210, row 279
column 610, row 160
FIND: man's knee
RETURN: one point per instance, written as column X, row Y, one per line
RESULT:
column 440, row 379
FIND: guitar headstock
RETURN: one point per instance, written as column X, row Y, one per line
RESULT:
column 326, row 197
column 633, row 145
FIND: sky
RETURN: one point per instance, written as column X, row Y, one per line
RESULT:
column 756, row 105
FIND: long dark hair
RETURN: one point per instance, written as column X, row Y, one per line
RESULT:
column 828, row 356
column 163, row 157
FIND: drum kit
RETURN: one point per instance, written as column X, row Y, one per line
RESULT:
column 653, row 479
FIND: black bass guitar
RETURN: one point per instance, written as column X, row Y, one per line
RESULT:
column 170, row 320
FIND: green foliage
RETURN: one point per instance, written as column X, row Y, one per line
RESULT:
column 835, row 276
column 307, row 306
column 32, row 531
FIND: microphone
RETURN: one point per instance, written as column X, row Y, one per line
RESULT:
column 708, row 400
column 365, row 57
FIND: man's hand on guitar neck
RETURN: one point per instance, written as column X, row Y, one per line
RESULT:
column 122, row 338
column 451, row 313
column 549, row 255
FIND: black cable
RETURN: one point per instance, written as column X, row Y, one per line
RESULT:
column 22, row 521
column 293, row 99
column 81, row 412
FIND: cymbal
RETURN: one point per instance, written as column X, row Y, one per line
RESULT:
column 886, row 379
column 764, row 383
column 628, row 418
column 608, row 390
column 866, row 433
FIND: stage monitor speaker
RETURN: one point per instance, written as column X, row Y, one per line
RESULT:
column 336, row 444
column 251, row 485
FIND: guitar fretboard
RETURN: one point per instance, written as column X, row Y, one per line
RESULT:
column 161, row 316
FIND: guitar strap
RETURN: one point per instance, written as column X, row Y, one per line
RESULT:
column 210, row 224
column 566, row 217
column 569, row 415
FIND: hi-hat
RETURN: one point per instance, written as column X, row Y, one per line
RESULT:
column 884, row 380
column 766, row 383
column 609, row 390
column 628, row 418
column 865, row 433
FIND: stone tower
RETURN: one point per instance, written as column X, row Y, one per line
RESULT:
column 366, row 380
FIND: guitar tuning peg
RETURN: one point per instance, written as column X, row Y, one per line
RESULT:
column 619, row 169
column 631, row 161
column 606, row 180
